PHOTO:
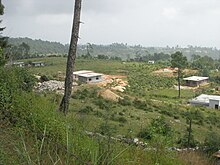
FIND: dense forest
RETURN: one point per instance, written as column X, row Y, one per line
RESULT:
column 124, row 51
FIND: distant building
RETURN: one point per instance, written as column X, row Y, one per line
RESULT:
column 151, row 62
column 90, row 77
column 75, row 74
column 19, row 64
column 195, row 81
column 211, row 101
column 37, row 64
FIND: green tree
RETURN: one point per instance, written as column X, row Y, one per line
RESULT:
column 158, row 126
column 3, row 40
column 178, row 61
column 188, row 138
column 89, row 49
column 2, row 58
column 24, row 49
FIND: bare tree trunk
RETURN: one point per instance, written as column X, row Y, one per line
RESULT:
column 178, row 82
column 64, row 105
column 189, row 132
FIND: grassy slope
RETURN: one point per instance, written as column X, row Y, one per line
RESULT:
column 163, row 101
column 84, row 146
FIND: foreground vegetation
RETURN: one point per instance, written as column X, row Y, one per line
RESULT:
column 35, row 133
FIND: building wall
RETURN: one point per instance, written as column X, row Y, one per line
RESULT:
column 214, row 103
column 195, row 83
column 75, row 77
column 94, row 79
column 191, row 83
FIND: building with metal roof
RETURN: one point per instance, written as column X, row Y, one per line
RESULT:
column 76, row 73
column 195, row 81
column 87, row 76
column 211, row 101
column 90, row 77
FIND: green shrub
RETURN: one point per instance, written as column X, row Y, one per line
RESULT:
column 98, row 114
column 212, row 118
column 212, row 142
column 44, row 78
column 157, row 126
column 126, row 101
column 121, row 113
column 140, row 104
column 184, row 141
column 85, row 93
column 103, row 104
column 122, row 119
column 13, row 82
column 86, row 110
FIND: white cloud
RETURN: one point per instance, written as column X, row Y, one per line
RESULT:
column 170, row 12
column 146, row 22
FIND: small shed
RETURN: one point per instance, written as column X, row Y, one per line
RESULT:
column 75, row 74
column 19, row 64
column 195, row 81
column 151, row 62
column 90, row 77
column 37, row 64
column 211, row 101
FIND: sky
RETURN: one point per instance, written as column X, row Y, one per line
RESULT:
column 146, row 22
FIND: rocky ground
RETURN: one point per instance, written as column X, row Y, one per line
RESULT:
column 51, row 85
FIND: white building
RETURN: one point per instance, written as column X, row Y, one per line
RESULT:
column 19, row 64
column 211, row 101
column 37, row 64
column 151, row 62
column 90, row 77
column 75, row 74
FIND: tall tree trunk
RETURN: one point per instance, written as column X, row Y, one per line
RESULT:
column 64, row 105
column 189, row 132
column 178, row 82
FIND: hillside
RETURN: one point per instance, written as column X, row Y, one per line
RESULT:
column 121, row 50
column 40, row 46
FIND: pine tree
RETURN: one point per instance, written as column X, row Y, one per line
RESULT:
column 179, row 61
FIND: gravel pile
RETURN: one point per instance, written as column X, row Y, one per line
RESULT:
column 51, row 85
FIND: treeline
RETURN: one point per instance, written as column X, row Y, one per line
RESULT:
column 121, row 50
column 39, row 47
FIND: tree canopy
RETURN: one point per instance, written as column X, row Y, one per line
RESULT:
column 178, row 60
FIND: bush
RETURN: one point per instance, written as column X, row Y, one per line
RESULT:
column 103, row 104
column 122, row 119
column 85, row 93
column 184, row 141
column 140, row 104
column 126, row 101
column 212, row 142
column 157, row 126
column 86, row 110
column 13, row 81
column 44, row 78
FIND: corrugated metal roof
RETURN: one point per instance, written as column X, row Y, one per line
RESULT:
column 196, row 78
column 203, row 98
column 82, row 72
column 90, row 75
